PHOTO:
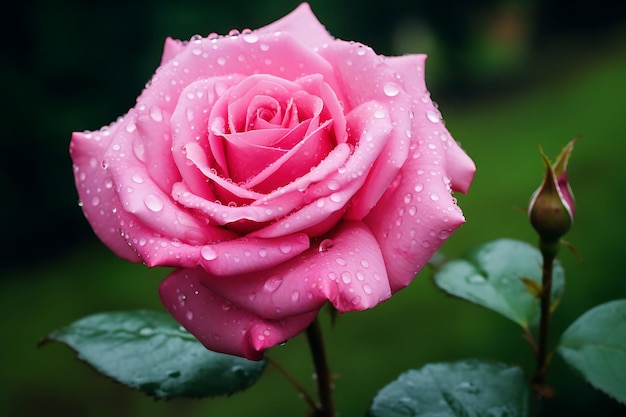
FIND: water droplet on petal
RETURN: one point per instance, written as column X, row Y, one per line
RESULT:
column 285, row 247
column 325, row 245
column 153, row 202
column 273, row 283
column 432, row 116
column 250, row 37
column 391, row 89
column 208, row 253
column 346, row 277
column 156, row 114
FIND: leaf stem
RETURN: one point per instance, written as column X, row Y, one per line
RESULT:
column 325, row 408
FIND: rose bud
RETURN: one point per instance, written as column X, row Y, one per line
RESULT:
column 276, row 170
column 551, row 208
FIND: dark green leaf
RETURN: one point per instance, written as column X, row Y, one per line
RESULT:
column 149, row 351
column 595, row 345
column 458, row 389
column 497, row 276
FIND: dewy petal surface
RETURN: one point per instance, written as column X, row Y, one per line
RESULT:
column 221, row 325
column 345, row 268
column 417, row 213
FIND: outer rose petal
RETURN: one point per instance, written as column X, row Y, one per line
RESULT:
column 95, row 187
column 302, row 24
column 459, row 166
column 218, row 323
column 171, row 48
column 419, row 203
column 346, row 268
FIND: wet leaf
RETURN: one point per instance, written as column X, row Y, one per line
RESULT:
column 149, row 351
column 595, row 345
column 497, row 275
column 458, row 389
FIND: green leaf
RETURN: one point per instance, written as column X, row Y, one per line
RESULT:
column 458, row 389
column 595, row 345
column 498, row 275
column 149, row 351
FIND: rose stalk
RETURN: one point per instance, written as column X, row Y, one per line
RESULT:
column 551, row 213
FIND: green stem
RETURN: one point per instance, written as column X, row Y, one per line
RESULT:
column 549, row 251
column 326, row 407
column 299, row 387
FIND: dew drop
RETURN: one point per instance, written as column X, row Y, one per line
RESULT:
column 391, row 89
column 137, row 179
column 295, row 296
column 407, row 198
column 208, row 253
column 273, row 283
column 367, row 288
column 189, row 315
column 146, row 331
column 250, row 37
column 432, row 116
column 285, row 247
column 335, row 197
column 346, row 277
column 419, row 187
column 262, row 253
column 156, row 114
column 341, row 261
column 379, row 114
column 434, row 197
column 475, row 280
column 325, row 245
column 333, row 185
column 153, row 202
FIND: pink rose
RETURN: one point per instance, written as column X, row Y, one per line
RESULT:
column 276, row 169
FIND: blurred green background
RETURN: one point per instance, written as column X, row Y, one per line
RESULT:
column 508, row 76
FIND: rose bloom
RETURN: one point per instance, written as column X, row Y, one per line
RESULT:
column 277, row 170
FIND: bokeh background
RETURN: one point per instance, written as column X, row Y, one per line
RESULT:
column 508, row 75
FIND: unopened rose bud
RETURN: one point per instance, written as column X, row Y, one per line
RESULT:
column 551, row 208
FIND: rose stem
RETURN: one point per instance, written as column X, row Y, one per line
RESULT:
column 548, row 250
column 301, row 390
column 322, row 371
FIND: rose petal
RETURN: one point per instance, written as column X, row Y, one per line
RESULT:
column 246, row 255
column 171, row 48
column 302, row 24
column 99, row 200
column 154, row 139
column 417, row 213
column 189, row 125
column 278, row 54
column 460, row 167
column 221, row 325
column 346, row 269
